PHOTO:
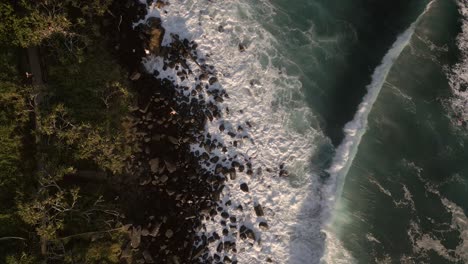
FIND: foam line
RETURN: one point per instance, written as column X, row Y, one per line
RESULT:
column 458, row 74
column 355, row 129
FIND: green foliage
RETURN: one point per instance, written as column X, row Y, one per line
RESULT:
column 28, row 26
column 94, row 88
column 91, row 8
column 13, row 118
column 22, row 258
column 84, row 142
column 78, row 126
column 103, row 252
column 8, row 224
column 47, row 212
column 103, row 249
column 8, row 64
column 12, row 226
column 28, row 23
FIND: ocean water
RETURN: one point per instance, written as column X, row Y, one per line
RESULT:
column 363, row 102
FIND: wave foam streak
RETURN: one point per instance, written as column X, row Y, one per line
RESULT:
column 355, row 129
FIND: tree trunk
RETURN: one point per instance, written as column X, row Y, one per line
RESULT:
column 38, row 86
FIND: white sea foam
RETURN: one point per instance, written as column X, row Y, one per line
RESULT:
column 270, row 100
column 372, row 238
column 379, row 186
column 355, row 129
column 422, row 241
column 459, row 73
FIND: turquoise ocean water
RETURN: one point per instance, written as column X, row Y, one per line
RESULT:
column 363, row 102
column 404, row 198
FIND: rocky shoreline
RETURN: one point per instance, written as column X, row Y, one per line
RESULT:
column 175, row 186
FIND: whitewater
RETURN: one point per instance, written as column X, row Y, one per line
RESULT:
column 354, row 131
column 264, row 105
column 459, row 74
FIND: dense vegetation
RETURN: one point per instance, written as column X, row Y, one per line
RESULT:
column 62, row 141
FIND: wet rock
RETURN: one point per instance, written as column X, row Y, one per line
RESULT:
column 213, row 212
column 169, row 233
column 163, row 178
column 228, row 245
column 197, row 252
column 154, row 164
column 283, row 173
column 127, row 252
column 156, row 34
column 251, row 235
column 136, row 237
column 241, row 47
column 224, row 215
column 173, row 140
column 204, row 156
column 135, row 76
column 243, row 228
column 212, row 80
column 220, row 247
column 175, row 260
column 171, row 167
column 232, row 175
column 218, row 169
column 144, row 232
column 263, row 225
column 258, row 210
column 215, row 159
column 155, row 230
column 244, row 187
column 147, row 257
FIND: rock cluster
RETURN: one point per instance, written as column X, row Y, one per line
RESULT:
column 177, row 172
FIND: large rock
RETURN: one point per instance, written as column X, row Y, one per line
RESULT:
column 155, row 230
column 136, row 237
column 258, row 210
column 154, row 164
column 156, row 34
column 244, row 187
column 147, row 256
column 171, row 167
